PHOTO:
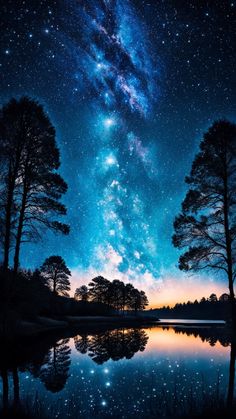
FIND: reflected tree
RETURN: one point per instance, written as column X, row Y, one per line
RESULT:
column 5, row 387
column 136, row 341
column 5, row 373
column 112, row 344
column 16, row 385
column 212, row 336
column 81, row 343
column 56, row 372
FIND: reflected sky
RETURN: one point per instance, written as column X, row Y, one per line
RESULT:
column 155, row 370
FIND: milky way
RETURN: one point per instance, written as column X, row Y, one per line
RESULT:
column 116, row 67
column 130, row 86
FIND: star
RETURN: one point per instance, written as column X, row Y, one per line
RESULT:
column 110, row 160
column 109, row 122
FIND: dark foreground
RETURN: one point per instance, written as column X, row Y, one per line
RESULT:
column 102, row 371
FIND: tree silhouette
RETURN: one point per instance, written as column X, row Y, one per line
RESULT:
column 207, row 223
column 138, row 300
column 56, row 372
column 115, row 294
column 31, row 188
column 82, row 293
column 98, row 290
column 213, row 298
column 56, row 275
column 11, row 146
column 224, row 297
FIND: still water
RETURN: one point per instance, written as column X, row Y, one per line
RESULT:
column 122, row 373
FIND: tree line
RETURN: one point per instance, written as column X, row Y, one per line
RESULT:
column 54, row 274
column 114, row 293
column 206, row 308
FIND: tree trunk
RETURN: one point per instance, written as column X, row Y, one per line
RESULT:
column 12, row 175
column 11, row 185
column 228, row 243
column 20, row 229
column 55, row 284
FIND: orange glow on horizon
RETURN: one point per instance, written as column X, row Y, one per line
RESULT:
column 174, row 292
column 166, row 291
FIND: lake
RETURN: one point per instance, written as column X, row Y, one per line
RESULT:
column 121, row 373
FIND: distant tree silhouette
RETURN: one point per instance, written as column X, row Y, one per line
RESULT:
column 138, row 300
column 56, row 372
column 56, row 275
column 82, row 293
column 213, row 298
column 224, row 298
column 114, row 293
column 210, row 308
column 117, row 294
column 207, row 223
column 98, row 289
column 31, row 188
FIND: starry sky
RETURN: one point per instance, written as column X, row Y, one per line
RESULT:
column 130, row 86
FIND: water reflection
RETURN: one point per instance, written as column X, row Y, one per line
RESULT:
column 230, row 395
column 209, row 335
column 112, row 344
column 163, row 368
column 55, row 372
column 225, row 339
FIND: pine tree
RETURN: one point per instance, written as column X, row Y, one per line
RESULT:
column 56, row 275
column 207, row 223
column 30, row 186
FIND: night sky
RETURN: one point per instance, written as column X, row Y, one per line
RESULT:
column 130, row 87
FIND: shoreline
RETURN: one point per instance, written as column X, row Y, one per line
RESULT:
column 45, row 325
